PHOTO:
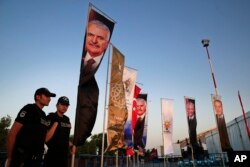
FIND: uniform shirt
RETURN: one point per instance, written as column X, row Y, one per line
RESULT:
column 32, row 135
column 60, row 140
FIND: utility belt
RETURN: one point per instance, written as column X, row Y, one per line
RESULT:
column 23, row 155
column 36, row 157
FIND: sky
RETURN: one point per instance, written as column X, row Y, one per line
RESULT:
column 41, row 45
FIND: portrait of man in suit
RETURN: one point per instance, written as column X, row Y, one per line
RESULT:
column 192, row 123
column 221, row 124
column 141, row 106
column 98, row 32
column 96, row 42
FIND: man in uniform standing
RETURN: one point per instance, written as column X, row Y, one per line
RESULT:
column 57, row 138
column 25, row 142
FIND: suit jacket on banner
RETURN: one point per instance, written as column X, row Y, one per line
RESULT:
column 86, row 110
column 138, row 133
column 225, row 144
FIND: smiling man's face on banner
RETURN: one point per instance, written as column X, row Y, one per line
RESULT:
column 97, row 38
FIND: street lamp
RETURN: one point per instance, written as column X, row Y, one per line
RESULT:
column 205, row 43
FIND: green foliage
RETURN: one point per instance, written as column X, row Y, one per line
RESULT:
column 4, row 125
column 93, row 146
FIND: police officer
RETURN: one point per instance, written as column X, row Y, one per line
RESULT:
column 25, row 142
column 57, row 138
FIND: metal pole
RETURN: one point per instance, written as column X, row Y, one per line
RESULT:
column 167, row 160
column 192, row 154
column 205, row 43
column 164, row 161
column 116, row 159
column 127, row 160
column 133, row 160
column 105, row 104
column 244, row 116
column 73, row 155
column 212, row 72
column 137, row 159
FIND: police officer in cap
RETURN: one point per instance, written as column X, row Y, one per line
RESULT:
column 57, row 138
column 25, row 142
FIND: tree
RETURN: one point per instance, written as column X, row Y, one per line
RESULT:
column 96, row 140
column 4, row 125
column 94, row 145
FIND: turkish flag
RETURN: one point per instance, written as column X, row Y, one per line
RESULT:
column 134, row 112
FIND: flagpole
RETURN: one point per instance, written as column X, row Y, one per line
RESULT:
column 116, row 158
column 133, row 162
column 137, row 159
column 167, row 160
column 205, row 43
column 162, row 125
column 73, row 155
column 244, row 115
column 127, row 161
column 105, row 104
column 134, row 159
column 192, row 150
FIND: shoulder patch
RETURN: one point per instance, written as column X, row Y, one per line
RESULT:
column 22, row 114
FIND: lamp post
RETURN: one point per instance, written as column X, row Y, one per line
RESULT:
column 205, row 43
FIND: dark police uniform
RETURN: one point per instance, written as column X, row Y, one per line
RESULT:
column 29, row 145
column 58, row 145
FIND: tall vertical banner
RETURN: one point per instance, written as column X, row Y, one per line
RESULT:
column 130, row 145
column 98, row 33
column 117, row 111
column 221, row 123
column 167, row 107
column 192, row 123
column 140, row 129
column 129, row 79
column 134, row 109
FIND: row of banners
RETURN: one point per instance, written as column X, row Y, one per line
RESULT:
column 127, row 108
column 167, row 122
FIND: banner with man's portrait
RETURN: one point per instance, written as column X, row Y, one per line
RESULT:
column 97, row 36
column 167, row 107
column 98, row 32
column 130, row 145
column 221, row 123
column 141, row 124
column 192, row 124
